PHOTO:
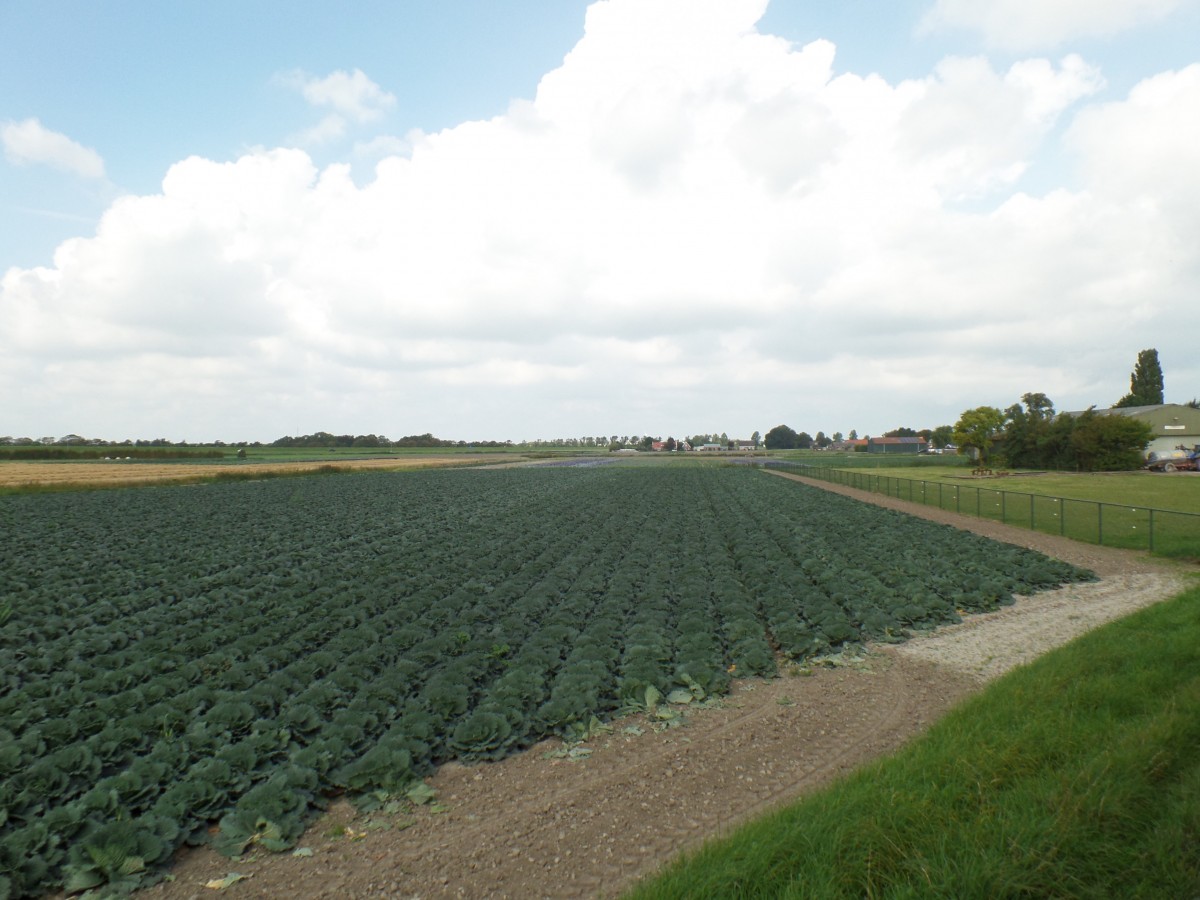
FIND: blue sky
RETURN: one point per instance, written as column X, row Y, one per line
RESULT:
column 476, row 219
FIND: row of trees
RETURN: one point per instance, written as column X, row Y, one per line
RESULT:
column 781, row 437
column 1031, row 435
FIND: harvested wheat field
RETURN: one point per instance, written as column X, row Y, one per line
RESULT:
column 94, row 473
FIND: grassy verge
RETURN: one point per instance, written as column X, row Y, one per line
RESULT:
column 1076, row 776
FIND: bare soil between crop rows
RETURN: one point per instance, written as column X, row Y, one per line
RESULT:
column 544, row 825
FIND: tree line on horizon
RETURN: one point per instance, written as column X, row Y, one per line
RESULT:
column 1026, row 430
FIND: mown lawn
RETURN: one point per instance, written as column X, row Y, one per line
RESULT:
column 1076, row 776
column 1180, row 492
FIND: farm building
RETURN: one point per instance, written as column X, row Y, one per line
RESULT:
column 1174, row 424
column 911, row 445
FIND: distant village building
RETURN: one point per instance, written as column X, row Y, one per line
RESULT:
column 909, row 445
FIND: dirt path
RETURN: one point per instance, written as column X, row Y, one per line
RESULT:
column 540, row 825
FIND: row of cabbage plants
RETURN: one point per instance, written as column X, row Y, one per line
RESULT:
column 177, row 657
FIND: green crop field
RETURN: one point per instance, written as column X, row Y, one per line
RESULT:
column 1075, row 776
column 174, row 657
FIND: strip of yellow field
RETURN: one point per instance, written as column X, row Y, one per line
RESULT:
column 116, row 472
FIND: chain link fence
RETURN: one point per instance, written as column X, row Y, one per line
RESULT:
column 1161, row 531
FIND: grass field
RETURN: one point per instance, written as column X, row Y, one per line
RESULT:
column 1135, row 510
column 1076, row 776
column 1177, row 492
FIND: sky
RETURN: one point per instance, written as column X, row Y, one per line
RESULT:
column 236, row 221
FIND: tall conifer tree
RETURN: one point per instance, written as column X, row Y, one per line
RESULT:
column 1146, row 382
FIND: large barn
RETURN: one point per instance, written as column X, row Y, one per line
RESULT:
column 909, row 445
column 1174, row 424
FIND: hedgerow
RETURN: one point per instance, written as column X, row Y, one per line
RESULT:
column 237, row 653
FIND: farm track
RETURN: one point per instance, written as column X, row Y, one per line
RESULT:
column 533, row 826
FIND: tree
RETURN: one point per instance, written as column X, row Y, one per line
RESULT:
column 670, row 443
column 780, row 438
column 1028, row 434
column 976, row 429
column 941, row 436
column 804, row 441
column 837, row 437
column 757, row 439
column 853, row 434
column 1145, row 382
column 821, row 440
column 900, row 432
column 1108, row 443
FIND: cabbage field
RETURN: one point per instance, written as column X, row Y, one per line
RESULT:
column 175, row 657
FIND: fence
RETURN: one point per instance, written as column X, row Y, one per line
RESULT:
column 1161, row 531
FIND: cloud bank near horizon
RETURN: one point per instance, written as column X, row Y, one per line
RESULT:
column 691, row 226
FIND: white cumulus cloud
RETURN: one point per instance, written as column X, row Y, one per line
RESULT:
column 1024, row 25
column 349, row 94
column 691, row 224
column 30, row 142
column 351, row 97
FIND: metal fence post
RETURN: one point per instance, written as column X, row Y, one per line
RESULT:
column 1100, row 524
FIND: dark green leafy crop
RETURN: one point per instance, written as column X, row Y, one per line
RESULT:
column 189, row 669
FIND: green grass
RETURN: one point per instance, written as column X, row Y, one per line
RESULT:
column 1076, row 776
column 1176, row 492
column 1133, row 510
